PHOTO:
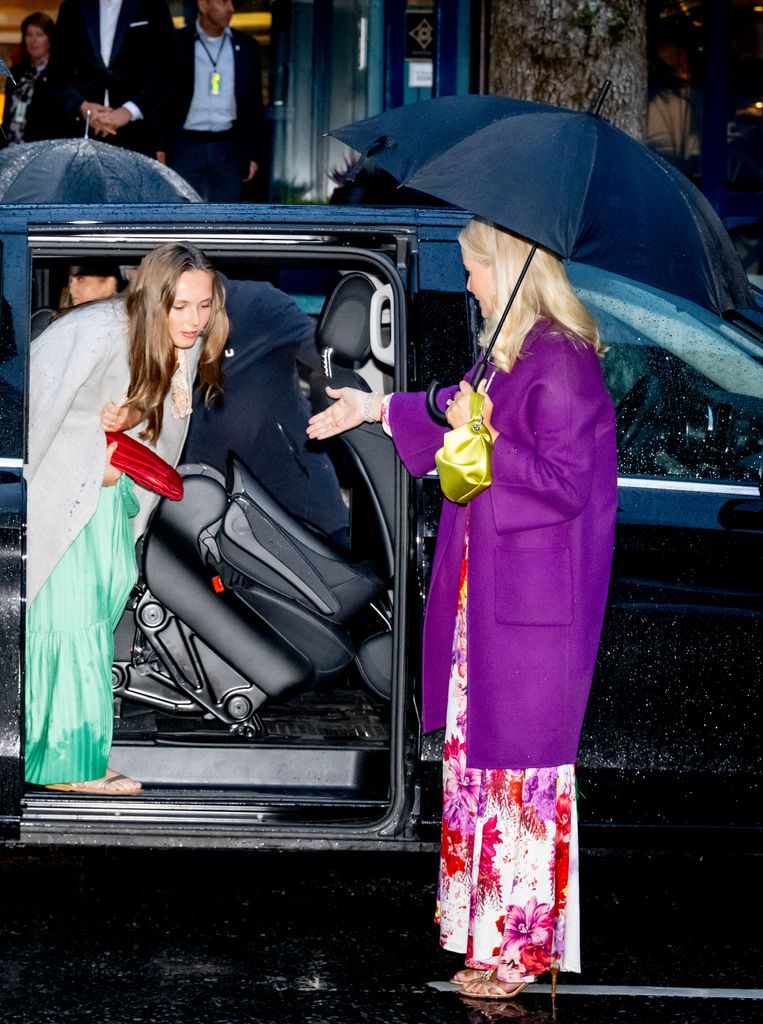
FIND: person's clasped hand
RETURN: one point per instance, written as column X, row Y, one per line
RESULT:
column 110, row 121
column 92, row 114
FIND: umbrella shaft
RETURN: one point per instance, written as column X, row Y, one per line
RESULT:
column 479, row 373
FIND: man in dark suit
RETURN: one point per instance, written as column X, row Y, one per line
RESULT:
column 113, row 68
column 214, row 125
column 262, row 414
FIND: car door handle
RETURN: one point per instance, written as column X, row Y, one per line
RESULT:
column 742, row 514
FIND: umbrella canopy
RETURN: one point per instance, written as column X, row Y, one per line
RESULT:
column 84, row 171
column 571, row 182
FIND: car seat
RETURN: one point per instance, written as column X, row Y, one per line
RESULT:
column 240, row 603
column 365, row 455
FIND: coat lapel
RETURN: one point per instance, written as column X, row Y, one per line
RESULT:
column 92, row 15
column 123, row 23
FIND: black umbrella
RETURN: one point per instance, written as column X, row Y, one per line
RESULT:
column 567, row 180
column 76, row 171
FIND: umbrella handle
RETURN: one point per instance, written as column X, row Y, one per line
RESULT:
column 435, row 412
column 478, row 375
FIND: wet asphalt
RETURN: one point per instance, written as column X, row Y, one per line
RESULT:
column 180, row 937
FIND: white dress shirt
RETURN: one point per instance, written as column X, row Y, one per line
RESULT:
column 209, row 113
column 109, row 16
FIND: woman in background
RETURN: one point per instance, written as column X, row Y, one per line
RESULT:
column 514, row 614
column 80, row 544
column 30, row 112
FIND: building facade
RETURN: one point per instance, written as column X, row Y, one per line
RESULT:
column 329, row 62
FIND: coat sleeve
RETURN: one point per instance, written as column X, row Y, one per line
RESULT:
column 159, row 63
column 416, row 436
column 62, row 360
column 548, row 482
column 69, row 30
column 250, row 108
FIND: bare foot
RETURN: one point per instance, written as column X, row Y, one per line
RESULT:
column 489, row 987
column 469, row 974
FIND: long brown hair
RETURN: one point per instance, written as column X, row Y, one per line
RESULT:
column 152, row 356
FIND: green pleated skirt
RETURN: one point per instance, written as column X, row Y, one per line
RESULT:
column 70, row 646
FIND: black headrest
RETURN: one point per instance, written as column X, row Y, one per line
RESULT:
column 345, row 322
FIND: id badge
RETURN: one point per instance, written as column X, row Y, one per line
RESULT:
column 215, row 79
column 19, row 110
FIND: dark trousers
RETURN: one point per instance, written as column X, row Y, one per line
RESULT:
column 209, row 162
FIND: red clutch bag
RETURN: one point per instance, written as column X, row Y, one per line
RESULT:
column 144, row 466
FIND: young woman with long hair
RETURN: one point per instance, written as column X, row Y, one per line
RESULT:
column 514, row 613
column 143, row 351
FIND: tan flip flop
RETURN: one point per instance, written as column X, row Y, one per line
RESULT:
column 98, row 787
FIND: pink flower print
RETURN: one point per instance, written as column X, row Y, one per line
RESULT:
column 540, row 791
column 451, row 748
column 563, row 817
column 462, row 790
column 452, row 852
column 491, row 837
column 489, row 875
column 530, row 924
column 461, row 721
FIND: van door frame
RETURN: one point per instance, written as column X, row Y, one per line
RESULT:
column 293, row 240
column 14, row 293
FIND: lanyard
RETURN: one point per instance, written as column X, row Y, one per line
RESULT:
column 212, row 60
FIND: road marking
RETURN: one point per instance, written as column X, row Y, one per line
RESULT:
column 642, row 991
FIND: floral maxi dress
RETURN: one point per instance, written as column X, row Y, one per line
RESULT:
column 508, row 884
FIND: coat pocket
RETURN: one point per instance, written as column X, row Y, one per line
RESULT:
column 533, row 586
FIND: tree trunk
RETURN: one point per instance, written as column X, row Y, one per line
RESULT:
column 560, row 51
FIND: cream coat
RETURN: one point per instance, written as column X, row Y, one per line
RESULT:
column 76, row 366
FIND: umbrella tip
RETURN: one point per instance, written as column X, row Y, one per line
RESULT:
column 5, row 70
column 606, row 85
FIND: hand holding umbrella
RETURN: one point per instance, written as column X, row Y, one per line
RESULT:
column 458, row 411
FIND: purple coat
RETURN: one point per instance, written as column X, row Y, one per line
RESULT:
column 540, row 553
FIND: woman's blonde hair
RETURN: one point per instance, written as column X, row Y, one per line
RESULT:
column 545, row 293
column 152, row 356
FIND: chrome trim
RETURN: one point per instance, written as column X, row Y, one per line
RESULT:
column 172, row 234
column 696, row 486
column 692, row 486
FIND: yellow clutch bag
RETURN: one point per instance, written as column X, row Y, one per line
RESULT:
column 464, row 462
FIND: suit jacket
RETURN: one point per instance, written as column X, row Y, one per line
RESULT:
column 262, row 414
column 141, row 65
column 249, row 124
column 540, row 550
column 42, row 119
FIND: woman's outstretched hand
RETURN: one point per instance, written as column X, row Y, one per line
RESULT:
column 347, row 412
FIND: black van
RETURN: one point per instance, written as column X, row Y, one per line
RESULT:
column 266, row 679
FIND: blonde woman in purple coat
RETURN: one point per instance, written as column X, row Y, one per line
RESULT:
column 514, row 614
